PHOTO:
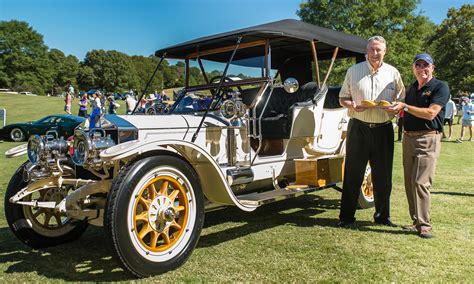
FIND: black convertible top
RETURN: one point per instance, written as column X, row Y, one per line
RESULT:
column 288, row 38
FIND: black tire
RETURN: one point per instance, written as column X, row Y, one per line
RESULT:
column 17, row 134
column 28, row 228
column 152, row 231
column 366, row 196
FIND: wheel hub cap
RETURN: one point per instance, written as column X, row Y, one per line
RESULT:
column 161, row 213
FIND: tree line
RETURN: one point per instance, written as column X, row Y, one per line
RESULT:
column 27, row 64
column 407, row 33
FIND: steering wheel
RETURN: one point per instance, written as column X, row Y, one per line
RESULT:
column 226, row 79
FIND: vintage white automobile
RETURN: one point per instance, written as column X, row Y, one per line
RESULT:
column 276, row 133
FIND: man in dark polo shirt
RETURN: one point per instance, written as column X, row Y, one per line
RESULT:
column 424, row 108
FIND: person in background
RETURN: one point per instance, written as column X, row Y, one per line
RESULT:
column 449, row 113
column 83, row 106
column 424, row 107
column 102, row 98
column 370, row 136
column 96, row 110
column 467, row 118
column 130, row 103
column 113, row 105
column 143, row 104
column 164, row 97
column 460, row 105
column 400, row 125
column 69, row 97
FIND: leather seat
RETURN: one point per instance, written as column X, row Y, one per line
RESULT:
column 277, row 118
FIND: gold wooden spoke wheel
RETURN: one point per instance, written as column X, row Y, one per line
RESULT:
column 160, row 213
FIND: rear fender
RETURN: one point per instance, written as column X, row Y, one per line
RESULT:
column 213, row 181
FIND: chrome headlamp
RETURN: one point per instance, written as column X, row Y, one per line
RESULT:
column 82, row 147
column 87, row 146
column 36, row 148
column 45, row 148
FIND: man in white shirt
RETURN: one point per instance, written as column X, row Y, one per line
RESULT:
column 370, row 136
column 449, row 114
column 130, row 103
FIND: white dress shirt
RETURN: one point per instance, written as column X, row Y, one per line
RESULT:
column 363, row 83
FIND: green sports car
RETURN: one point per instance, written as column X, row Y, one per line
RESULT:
column 64, row 124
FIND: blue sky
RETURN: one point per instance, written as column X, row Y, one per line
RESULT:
column 139, row 27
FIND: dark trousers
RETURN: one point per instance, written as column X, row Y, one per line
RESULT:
column 374, row 145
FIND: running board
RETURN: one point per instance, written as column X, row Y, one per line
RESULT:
column 261, row 198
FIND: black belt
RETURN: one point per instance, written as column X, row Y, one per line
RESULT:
column 371, row 125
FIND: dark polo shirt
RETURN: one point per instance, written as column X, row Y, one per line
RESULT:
column 434, row 92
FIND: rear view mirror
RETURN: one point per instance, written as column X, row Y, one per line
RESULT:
column 291, row 85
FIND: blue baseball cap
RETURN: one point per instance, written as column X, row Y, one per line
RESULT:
column 424, row 57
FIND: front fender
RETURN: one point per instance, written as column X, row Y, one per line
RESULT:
column 213, row 181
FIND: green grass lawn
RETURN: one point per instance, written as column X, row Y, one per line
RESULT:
column 289, row 241
column 21, row 108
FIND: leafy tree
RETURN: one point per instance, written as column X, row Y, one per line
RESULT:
column 452, row 49
column 144, row 68
column 24, row 62
column 86, row 78
column 112, row 70
column 395, row 20
column 172, row 77
column 195, row 76
column 64, row 69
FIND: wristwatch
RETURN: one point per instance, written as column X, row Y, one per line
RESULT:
column 405, row 109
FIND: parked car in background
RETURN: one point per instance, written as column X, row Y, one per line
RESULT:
column 92, row 91
column 118, row 96
column 64, row 124
column 28, row 94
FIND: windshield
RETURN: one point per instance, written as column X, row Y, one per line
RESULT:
column 193, row 102
column 240, row 75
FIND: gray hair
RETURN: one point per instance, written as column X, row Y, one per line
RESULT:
column 377, row 38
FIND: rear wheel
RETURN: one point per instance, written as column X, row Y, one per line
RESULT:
column 155, row 213
column 366, row 196
column 40, row 227
column 17, row 134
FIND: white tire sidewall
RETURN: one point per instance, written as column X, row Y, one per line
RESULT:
column 186, row 235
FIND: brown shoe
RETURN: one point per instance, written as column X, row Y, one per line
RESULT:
column 426, row 234
column 411, row 228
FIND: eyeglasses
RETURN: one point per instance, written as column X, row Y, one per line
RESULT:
column 422, row 65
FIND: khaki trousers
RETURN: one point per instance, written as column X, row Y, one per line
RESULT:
column 419, row 163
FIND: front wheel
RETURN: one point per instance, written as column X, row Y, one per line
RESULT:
column 17, row 135
column 40, row 227
column 366, row 196
column 155, row 214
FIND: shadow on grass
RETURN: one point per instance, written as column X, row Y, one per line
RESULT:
column 86, row 259
column 304, row 212
column 453, row 193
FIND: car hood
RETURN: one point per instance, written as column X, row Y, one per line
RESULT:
column 142, row 122
column 12, row 125
column 174, row 121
